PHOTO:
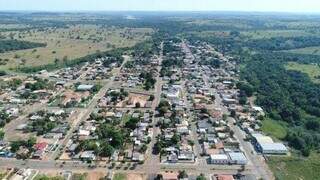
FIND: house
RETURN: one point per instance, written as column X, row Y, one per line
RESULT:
column 137, row 157
column 173, row 158
column 84, row 87
column 83, row 132
column 182, row 130
column 222, row 177
column 219, row 159
column 170, row 176
column 88, row 155
column 22, row 153
column 226, row 100
column 186, row 156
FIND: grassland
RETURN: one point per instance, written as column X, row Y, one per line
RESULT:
column 70, row 43
column 119, row 176
column 295, row 167
column 261, row 34
column 273, row 128
column 309, row 50
column 312, row 70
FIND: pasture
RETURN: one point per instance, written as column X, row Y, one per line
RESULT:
column 69, row 43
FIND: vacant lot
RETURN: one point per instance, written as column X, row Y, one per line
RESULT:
column 274, row 128
column 295, row 168
column 70, row 43
column 312, row 70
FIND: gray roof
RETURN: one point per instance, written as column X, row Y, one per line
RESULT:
column 237, row 156
column 273, row 147
column 84, row 87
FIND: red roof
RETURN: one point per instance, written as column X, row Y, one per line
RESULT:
column 41, row 146
column 225, row 177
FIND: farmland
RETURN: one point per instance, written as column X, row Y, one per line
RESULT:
column 69, row 43
column 312, row 70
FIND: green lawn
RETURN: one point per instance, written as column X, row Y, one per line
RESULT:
column 312, row 70
column 295, row 168
column 119, row 176
column 274, row 128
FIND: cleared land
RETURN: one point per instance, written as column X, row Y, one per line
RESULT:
column 295, row 168
column 273, row 128
column 70, row 43
column 275, row 33
column 312, row 70
column 309, row 50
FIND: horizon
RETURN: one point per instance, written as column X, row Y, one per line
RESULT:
column 273, row 6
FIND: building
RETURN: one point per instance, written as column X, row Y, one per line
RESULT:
column 88, row 155
column 238, row 158
column 222, row 177
column 84, row 87
column 169, row 176
column 265, row 145
column 219, row 159
column 273, row 148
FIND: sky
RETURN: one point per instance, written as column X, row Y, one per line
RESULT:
column 163, row 5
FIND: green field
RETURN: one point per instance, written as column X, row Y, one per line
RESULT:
column 261, row 34
column 274, row 128
column 69, row 43
column 313, row 71
column 295, row 168
column 119, row 176
column 309, row 50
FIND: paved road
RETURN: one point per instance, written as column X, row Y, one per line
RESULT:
column 152, row 163
column 261, row 169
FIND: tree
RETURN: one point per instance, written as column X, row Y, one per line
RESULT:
column 182, row 174
column 106, row 150
column 132, row 123
column 243, row 100
column 137, row 105
column 56, row 61
column 201, row 177
column 1, row 134
column 175, row 139
column 233, row 113
column 191, row 143
column 151, row 98
column 224, row 117
column 143, row 148
column 65, row 59
column 231, row 133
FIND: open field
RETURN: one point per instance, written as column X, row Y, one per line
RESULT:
column 261, row 34
column 119, row 176
column 295, row 168
column 73, row 42
column 273, row 128
column 309, row 50
column 312, row 70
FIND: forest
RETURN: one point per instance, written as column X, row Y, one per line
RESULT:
column 10, row 45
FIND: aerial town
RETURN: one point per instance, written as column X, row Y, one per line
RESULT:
column 159, row 90
column 174, row 117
